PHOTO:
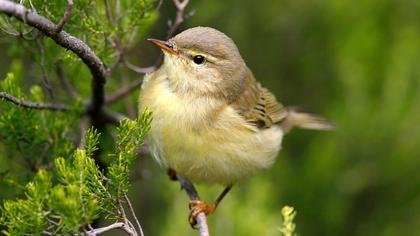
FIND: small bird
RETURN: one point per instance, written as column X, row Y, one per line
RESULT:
column 212, row 121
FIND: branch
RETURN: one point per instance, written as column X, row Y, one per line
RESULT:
column 193, row 195
column 107, row 115
column 59, row 27
column 134, row 214
column 180, row 16
column 126, row 221
column 124, row 91
column 33, row 105
column 81, row 49
column 140, row 70
column 118, row 225
column 46, row 233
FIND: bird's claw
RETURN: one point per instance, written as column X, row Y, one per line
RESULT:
column 197, row 207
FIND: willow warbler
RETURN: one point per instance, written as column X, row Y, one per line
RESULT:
column 212, row 121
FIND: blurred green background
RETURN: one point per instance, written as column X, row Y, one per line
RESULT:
column 355, row 62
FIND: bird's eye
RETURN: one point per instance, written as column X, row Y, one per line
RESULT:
column 199, row 59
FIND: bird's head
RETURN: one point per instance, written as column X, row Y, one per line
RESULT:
column 203, row 61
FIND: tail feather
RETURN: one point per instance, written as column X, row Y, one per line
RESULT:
column 305, row 120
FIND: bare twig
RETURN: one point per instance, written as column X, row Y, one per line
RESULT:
column 122, row 212
column 33, row 105
column 179, row 20
column 173, row 27
column 159, row 5
column 118, row 225
column 46, row 80
column 140, row 70
column 134, row 214
column 107, row 115
column 117, row 10
column 126, row 221
column 65, row 82
column 52, row 222
column 193, row 195
column 180, row 16
column 108, row 11
column 117, row 62
column 18, row 31
column 124, row 91
column 67, row 13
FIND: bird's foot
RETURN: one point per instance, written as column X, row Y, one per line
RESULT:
column 197, row 207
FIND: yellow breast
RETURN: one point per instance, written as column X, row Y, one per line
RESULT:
column 203, row 139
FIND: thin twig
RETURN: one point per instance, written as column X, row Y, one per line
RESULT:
column 126, row 221
column 46, row 80
column 134, row 214
column 117, row 10
column 67, row 13
column 179, row 20
column 159, row 5
column 174, row 27
column 65, row 82
column 122, row 211
column 193, row 195
column 180, row 16
column 108, row 12
column 19, row 30
column 52, row 222
column 33, row 105
column 140, row 70
column 118, row 225
column 124, row 91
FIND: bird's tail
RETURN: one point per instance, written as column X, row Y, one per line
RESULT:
column 305, row 120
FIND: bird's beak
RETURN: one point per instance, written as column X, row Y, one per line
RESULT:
column 164, row 45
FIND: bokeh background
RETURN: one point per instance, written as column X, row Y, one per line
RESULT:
column 355, row 62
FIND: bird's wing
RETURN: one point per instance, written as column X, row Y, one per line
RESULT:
column 258, row 105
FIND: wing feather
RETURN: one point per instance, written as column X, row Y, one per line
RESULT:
column 258, row 105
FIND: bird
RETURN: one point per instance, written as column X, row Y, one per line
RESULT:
column 212, row 121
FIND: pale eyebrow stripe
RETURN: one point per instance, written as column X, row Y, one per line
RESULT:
column 191, row 53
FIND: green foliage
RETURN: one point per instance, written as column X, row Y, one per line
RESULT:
column 288, row 227
column 28, row 215
column 29, row 137
column 77, row 199
column 82, row 193
column 130, row 137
